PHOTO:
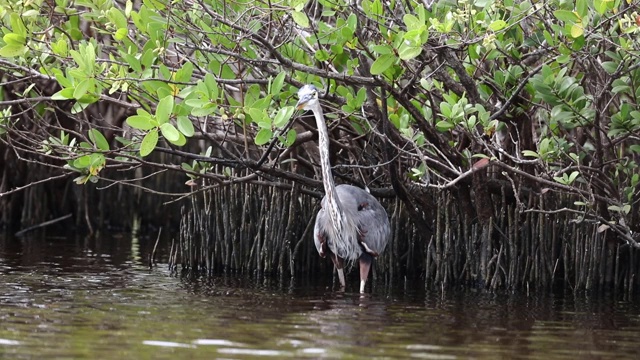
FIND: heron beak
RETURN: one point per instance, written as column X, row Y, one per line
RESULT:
column 302, row 102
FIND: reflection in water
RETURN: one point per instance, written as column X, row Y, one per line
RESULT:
column 68, row 298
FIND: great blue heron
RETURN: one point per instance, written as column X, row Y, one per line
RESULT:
column 351, row 224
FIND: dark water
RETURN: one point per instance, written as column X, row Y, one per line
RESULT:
column 85, row 299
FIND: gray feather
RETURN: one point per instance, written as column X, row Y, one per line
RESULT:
column 364, row 216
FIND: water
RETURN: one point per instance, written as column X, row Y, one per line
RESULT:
column 82, row 299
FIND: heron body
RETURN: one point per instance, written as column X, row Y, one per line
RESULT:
column 351, row 225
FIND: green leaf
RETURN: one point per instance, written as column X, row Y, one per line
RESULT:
column 444, row 125
column 277, row 83
column 445, row 109
column 263, row 136
column 31, row 13
column 561, row 180
column 14, row 39
column 300, row 18
column 181, row 140
column 212, row 85
column 614, row 208
column 382, row 49
column 79, row 106
column 17, row 25
column 283, row 116
column 407, row 52
column 567, row 16
column 577, row 30
column 63, row 94
column 82, row 162
column 12, row 50
column 549, row 38
column 530, row 153
column 185, row 126
column 185, row 73
column 573, row 176
column 164, row 109
column 61, row 79
column 154, row 4
column 60, row 47
column 291, row 137
column 497, row 25
column 81, row 89
column 98, row 139
column 376, row 8
column 609, row 66
column 411, row 21
column 133, row 62
column 322, row 55
column 140, row 122
column 170, row 132
column 582, row 8
column 121, row 34
column 382, row 63
column 149, row 143
column 117, row 17
column 78, row 58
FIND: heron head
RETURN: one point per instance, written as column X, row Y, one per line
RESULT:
column 307, row 97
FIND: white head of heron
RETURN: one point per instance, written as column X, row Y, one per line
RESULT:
column 307, row 97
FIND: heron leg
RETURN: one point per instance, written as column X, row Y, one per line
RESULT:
column 365, row 266
column 339, row 264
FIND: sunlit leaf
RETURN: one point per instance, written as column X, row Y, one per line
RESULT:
column 14, row 39
column 444, row 125
column 120, row 34
column 283, row 116
column 12, row 50
column 566, row 16
column 98, row 139
column 164, row 109
column 497, row 25
column 263, row 136
column 140, row 122
column 277, row 83
column 382, row 63
column 82, row 162
column 63, row 94
column 170, row 132
column 182, row 140
column 185, row 126
column 81, row 89
column 300, row 18
column 577, row 30
column 409, row 52
column 290, row 138
column 149, row 143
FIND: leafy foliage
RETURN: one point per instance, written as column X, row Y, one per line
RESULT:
column 548, row 91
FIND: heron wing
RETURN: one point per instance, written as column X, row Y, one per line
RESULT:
column 369, row 215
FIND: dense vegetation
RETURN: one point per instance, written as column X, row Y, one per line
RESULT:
column 507, row 130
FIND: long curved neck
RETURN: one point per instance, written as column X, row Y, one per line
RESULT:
column 329, row 185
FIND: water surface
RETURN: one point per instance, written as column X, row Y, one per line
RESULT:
column 64, row 298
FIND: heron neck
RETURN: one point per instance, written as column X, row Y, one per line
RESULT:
column 323, row 146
